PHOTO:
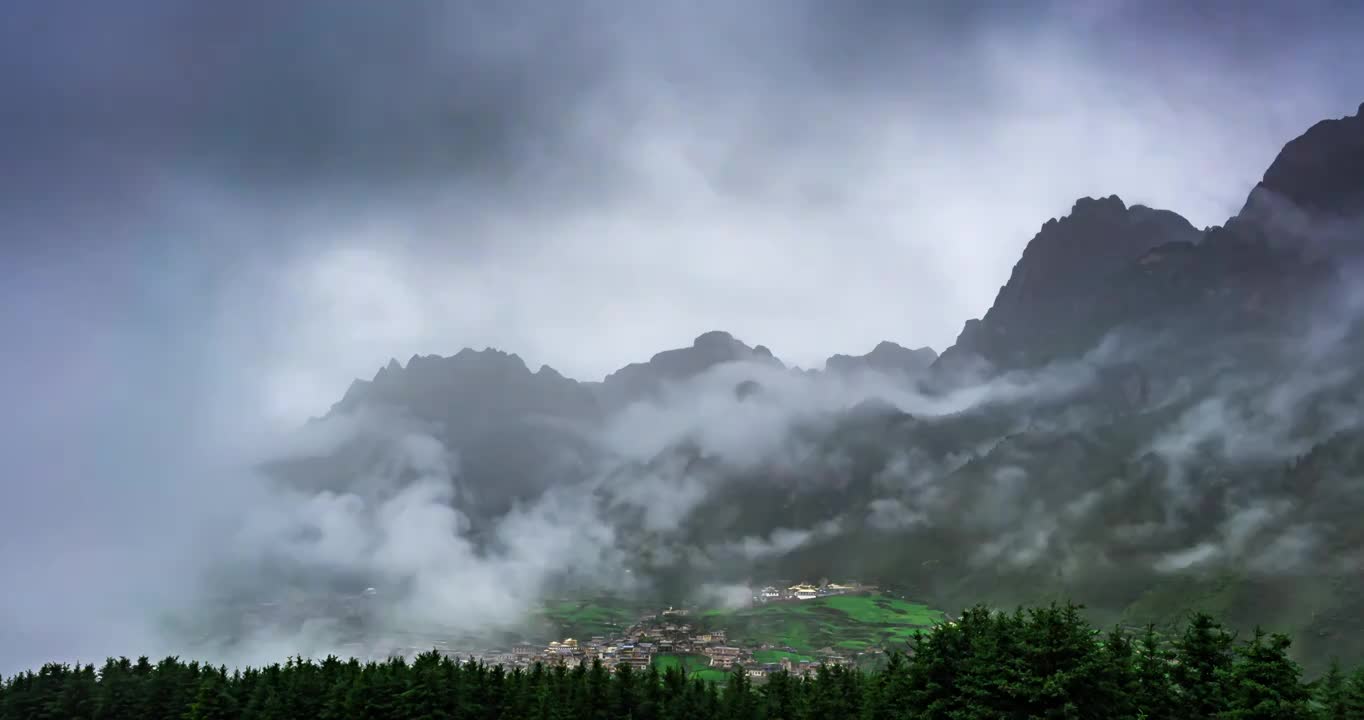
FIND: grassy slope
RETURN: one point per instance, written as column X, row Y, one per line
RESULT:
column 712, row 675
column 1319, row 613
column 776, row 656
column 689, row 663
column 847, row 622
column 585, row 618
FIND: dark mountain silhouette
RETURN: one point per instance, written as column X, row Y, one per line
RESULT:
column 886, row 357
column 1317, row 172
column 1063, row 284
column 637, row 381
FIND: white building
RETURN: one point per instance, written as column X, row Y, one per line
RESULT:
column 804, row 592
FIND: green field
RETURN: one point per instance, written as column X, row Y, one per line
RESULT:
column 846, row 623
column 585, row 618
column 688, row 663
column 709, row 675
column 776, row 656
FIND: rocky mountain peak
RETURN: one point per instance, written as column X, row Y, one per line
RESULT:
column 1312, row 195
column 707, row 350
column 886, row 357
column 714, row 340
column 1065, row 272
column 437, row 388
column 1072, row 256
column 1321, row 170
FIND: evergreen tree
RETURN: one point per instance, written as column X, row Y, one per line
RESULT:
column 119, row 692
column 891, row 699
column 1152, row 666
column 1331, row 695
column 651, row 696
column 423, row 699
column 597, row 695
column 496, row 695
column 624, row 693
column 1042, row 663
column 1065, row 672
column 1203, row 659
column 828, row 698
column 20, row 699
column 1354, row 695
column 213, row 700
column 781, row 700
column 676, row 693
column 1117, row 683
column 948, row 677
column 739, row 702
column 1265, row 684
column 48, row 686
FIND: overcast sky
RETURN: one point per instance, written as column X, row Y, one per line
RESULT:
column 214, row 215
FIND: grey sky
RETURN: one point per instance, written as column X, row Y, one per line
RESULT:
column 214, row 216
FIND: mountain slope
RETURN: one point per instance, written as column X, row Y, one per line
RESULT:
column 1148, row 416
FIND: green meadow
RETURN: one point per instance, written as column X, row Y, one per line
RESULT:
column 690, row 664
column 584, row 618
column 845, row 623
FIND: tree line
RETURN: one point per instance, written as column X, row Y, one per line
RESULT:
column 1039, row 663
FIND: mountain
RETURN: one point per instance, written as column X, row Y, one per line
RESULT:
column 886, row 357
column 642, row 380
column 1059, row 293
column 497, row 384
column 1316, row 173
column 1149, row 417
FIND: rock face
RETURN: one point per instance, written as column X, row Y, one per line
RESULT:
column 512, row 431
column 1312, row 196
column 639, row 380
column 1063, row 279
column 1320, row 171
column 887, row 357
column 471, row 390
column 1107, row 266
column 474, row 392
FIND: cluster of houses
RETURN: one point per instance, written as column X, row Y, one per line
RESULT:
column 669, row 639
column 665, row 633
column 670, row 633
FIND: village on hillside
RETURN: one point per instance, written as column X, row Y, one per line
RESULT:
column 654, row 638
column 671, row 632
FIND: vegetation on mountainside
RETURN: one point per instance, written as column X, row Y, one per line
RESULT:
column 850, row 623
column 686, row 662
column 586, row 618
column 1047, row 662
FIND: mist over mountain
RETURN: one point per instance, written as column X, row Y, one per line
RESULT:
column 1149, row 417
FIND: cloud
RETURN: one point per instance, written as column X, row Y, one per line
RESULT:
column 724, row 596
column 402, row 530
column 892, row 514
column 781, row 541
column 200, row 255
column 1184, row 559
